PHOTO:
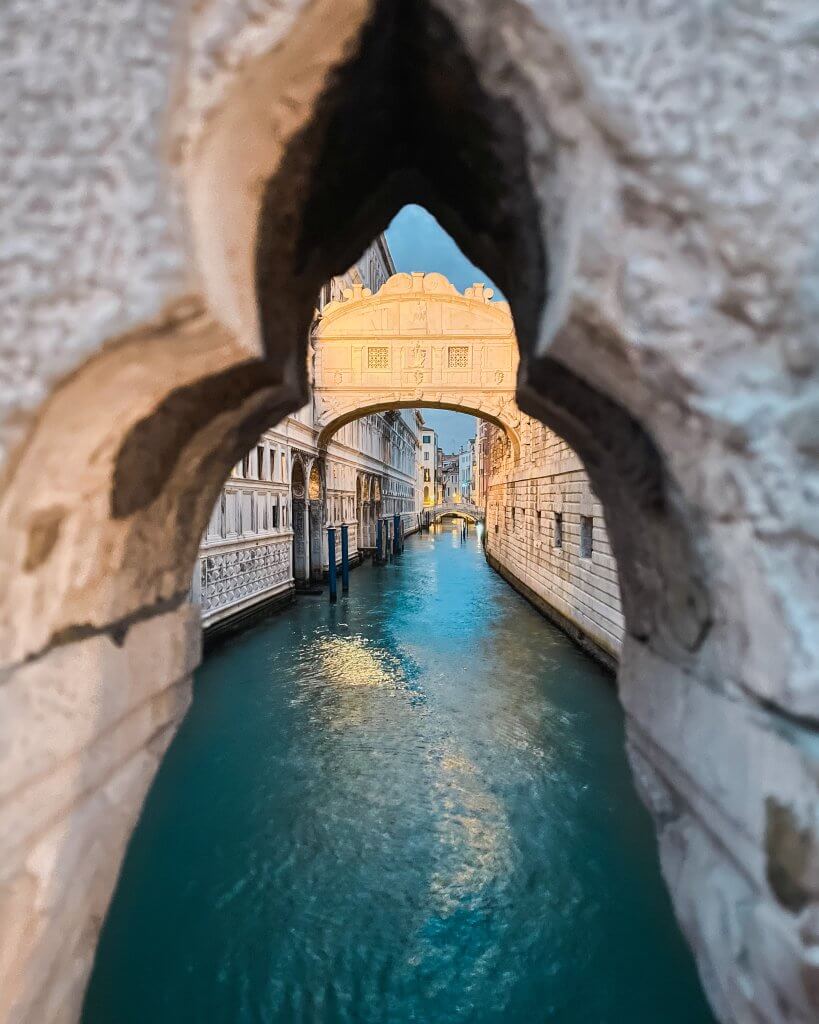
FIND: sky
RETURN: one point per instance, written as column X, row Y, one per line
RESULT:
column 418, row 242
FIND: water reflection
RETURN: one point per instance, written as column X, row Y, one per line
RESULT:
column 412, row 806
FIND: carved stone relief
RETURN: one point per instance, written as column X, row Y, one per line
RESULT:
column 230, row 577
column 395, row 347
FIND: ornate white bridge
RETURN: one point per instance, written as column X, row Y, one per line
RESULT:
column 451, row 508
column 416, row 342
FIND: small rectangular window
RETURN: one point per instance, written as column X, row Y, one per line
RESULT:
column 586, row 536
column 275, row 513
column 458, row 357
column 260, row 461
column 378, row 358
column 558, row 539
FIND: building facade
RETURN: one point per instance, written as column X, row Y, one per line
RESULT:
column 465, row 460
column 428, row 464
column 267, row 534
column 450, row 476
column 481, row 463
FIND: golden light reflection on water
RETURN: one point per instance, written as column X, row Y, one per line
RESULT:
column 342, row 670
column 473, row 846
column 353, row 661
column 471, row 825
column 410, row 806
column 473, row 833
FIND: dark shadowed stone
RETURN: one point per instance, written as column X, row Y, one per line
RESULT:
column 43, row 532
column 792, row 857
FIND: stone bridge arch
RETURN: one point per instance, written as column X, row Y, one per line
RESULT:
column 417, row 342
column 469, row 512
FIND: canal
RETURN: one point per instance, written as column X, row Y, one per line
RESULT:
column 411, row 806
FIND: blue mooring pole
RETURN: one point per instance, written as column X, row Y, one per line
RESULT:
column 378, row 530
column 396, row 535
column 331, row 558
column 345, row 558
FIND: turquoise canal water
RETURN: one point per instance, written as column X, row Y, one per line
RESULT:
column 412, row 806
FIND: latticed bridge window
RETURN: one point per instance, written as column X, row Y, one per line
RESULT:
column 458, row 357
column 378, row 358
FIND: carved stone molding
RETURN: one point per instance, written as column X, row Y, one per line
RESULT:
column 231, row 577
column 418, row 341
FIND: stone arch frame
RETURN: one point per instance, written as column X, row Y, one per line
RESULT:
column 102, row 537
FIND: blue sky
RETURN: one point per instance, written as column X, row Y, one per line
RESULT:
column 418, row 242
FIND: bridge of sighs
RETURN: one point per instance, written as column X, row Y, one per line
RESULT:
column 417, row 342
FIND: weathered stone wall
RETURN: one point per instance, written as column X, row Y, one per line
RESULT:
column 535, row 514
column 639, row 179
column 71, row 785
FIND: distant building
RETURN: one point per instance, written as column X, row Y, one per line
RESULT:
column 450, row 477
column 427, row 464
column 465, row 460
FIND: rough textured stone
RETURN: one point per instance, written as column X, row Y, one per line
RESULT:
column 639, row 178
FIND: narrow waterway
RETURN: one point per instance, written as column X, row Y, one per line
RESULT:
column 412, row 806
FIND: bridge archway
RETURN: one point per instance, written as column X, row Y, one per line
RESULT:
column 416, row 342
column 455, row 514
column 463, row 509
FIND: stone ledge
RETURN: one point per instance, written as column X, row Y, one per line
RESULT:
column 245, row 615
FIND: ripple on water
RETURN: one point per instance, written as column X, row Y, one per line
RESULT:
column 411, row 806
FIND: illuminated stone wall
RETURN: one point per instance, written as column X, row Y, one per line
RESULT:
column 546, row 533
